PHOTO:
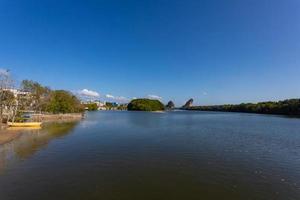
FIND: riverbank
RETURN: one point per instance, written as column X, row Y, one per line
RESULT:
column 58, row 117
column 158, row 111
column 8, row 135
column 289, row 107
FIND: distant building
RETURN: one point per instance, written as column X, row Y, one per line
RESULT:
column 17, row 92
column 101, row 105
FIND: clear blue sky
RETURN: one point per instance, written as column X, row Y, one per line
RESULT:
column 214, row 51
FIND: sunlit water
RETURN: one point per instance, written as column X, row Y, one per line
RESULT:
column 140, row 156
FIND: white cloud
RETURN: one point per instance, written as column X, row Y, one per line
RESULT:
column 116, row 98
column 204, row 93
column 88, row 93
column 109, row 96
column 121, row 98
column 153, row 96
column 4, row 72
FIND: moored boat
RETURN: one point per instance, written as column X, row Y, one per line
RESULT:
column 24, row 124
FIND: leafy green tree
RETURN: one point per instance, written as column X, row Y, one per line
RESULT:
column 122, row 107
column 286, row 107
column 62, row 101
column 92, row 106
column 145, row 105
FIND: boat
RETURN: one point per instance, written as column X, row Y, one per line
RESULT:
column 24, row 124
column 25, row 120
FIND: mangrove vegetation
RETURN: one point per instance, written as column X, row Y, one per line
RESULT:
column 285, row 107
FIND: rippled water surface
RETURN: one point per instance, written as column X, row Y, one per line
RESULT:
column 173, row 155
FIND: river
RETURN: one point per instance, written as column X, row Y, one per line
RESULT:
column 121, row 155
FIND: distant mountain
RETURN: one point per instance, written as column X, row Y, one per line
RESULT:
column 188, row 104
column 170, row 105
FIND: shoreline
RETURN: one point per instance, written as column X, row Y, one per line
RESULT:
column 244, row 112
column 58, row 117
column 7, row 135
column 158, row 111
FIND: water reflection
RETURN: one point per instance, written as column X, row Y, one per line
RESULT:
column 32, row 140
column 172, row 155
column 141, row 120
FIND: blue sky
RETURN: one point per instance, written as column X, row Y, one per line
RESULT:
column 214, row 51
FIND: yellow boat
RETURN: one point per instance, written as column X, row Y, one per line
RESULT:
column 24, row 124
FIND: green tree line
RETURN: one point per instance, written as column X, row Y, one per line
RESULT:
column 41, row 98
column 285, row 107
column 91, row 106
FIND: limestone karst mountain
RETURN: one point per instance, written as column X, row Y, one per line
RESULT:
column 188, row 104
column 170, row 105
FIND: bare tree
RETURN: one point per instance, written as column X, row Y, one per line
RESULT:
column 6, row 94
column 38, row 95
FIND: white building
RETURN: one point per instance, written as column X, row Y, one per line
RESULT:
column 100, row 104
column 17, row 92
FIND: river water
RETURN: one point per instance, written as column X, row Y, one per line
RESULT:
column 142, row 155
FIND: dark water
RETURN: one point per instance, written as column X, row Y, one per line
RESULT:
column 137, row 155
